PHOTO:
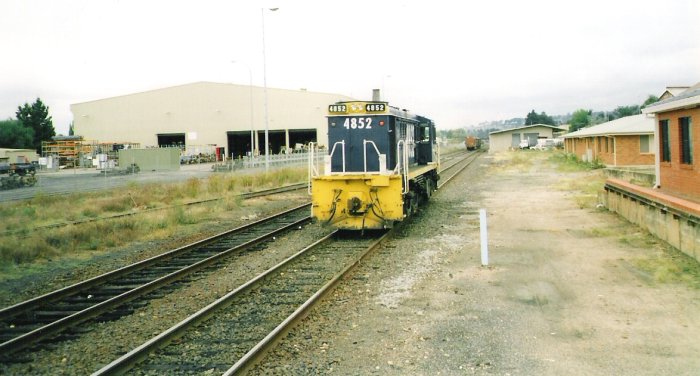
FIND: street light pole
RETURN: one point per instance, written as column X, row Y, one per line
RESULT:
column 267, row 157
column 252, row 124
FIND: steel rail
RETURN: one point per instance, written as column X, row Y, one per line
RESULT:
column 469, row 159
column 260, row 349
column 25, row 340
column 128, row 360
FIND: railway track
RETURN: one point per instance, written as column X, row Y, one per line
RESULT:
column 231, row 333
column 455, row 165
column 118, row 293
column 57, row 315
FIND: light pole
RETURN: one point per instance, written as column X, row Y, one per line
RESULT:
column 252, row 128
column 267, row 157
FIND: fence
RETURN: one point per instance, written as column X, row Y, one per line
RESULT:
column 274, row 161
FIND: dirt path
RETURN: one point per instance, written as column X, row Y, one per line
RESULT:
column 563, row 293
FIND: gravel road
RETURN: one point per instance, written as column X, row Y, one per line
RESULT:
column 558, row 298
column 82, row 180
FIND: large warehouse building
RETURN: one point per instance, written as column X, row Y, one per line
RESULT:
column 207, row 115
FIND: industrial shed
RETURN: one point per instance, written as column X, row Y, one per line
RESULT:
column 207, row 115
column 628, row 141
column 510, row 138
column 18, row 155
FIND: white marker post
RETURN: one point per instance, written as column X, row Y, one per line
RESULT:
column 484, row 238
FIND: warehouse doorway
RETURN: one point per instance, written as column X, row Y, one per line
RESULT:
column 276, row 140
column 238, row 144
column 166, row 140
column 299, row 138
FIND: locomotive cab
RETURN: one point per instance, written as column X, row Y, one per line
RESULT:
column 382, row 163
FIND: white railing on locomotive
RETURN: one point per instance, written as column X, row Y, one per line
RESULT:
column 312, row 164
column 402, row 163
column 329, row 158
column 380, row 157
column 314, row 157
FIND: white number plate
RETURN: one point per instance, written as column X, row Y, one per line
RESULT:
column 358, row 123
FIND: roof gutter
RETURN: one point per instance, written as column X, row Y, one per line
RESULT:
column 679, row 104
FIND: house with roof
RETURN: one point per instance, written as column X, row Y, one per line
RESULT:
column 672, row 91
column 508, row 139
column 628, row 141
column 671, row 210
column 678, row 135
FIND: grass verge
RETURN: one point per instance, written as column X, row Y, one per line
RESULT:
column 23, row 246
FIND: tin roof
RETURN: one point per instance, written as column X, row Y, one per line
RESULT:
column 628, row 125
column 529, row 126
column 687, row 99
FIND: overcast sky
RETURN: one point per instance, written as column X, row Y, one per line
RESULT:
column 458, row 62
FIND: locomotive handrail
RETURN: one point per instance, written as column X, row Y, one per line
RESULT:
column 399, row 160
column 364, row 150
column 402, row 166
column 330, row 157
column 406, row 146
column 313, row 170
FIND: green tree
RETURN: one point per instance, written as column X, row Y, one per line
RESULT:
column 452, row 133
column 624, row 111
column 579, row 119
column 651, row 99
column 36, row 117
column 14, row 135
column 535, row 118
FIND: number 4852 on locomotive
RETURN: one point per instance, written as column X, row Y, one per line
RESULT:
column 382, row 163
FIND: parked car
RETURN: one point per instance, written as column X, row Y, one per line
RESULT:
column 544, row 144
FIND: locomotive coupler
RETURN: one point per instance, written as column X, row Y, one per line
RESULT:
column 355, row 206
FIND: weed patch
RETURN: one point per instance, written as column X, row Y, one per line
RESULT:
column 671, row 266
column 23, row 239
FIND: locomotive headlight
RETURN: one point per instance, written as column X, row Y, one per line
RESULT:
column 381, row 123
column 332, row 124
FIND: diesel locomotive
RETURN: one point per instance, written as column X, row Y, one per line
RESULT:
column 382, row 163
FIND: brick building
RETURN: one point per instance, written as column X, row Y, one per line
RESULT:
column 676, row 129
column 628, row 141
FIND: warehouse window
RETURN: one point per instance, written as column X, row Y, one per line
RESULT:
column 685, row 138
column 644, row 143
column 665, row 141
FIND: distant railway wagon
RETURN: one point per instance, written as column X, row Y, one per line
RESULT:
column 382, row 164
column 472, row 143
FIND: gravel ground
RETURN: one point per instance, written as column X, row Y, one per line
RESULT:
column 558, row 297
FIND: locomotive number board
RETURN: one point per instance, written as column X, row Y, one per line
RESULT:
column 347, row 108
